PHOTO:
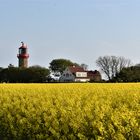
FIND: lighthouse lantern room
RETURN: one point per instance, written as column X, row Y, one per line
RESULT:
column 23, row 56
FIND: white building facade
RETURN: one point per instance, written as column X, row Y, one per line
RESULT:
column 74, row 74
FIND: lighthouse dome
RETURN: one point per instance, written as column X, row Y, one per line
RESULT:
column 23, row 45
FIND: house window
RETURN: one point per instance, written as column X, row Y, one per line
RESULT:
column 79, row 75
column 67, row 75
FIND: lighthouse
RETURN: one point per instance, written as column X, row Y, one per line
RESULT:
column 23, row 56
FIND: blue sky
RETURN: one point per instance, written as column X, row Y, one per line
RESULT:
column 79, row 30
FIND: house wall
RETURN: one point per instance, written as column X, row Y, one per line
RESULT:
column 67, row 76
column 81, row 74
column 82, row 80
column 97, row 78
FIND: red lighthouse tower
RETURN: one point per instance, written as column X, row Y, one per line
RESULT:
column 23, row 56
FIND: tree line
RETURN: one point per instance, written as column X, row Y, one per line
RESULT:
column 33, row 74
column 116, row 69
column 119, row 69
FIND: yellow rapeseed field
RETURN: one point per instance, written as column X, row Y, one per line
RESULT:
column 70, row 111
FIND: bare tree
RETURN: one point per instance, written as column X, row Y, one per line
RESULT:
column 84, row 66
column 123, row 62
column 104, row 64
column 111, row 65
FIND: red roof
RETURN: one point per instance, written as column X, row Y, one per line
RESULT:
column 75, row 69
column 93, row 73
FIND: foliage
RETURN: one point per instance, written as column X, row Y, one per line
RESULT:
column 111, row 65
column 59, row 65
column 130, row 74
column 70, row 111
column 24, row 75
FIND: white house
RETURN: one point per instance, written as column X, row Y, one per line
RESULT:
column 74, row 74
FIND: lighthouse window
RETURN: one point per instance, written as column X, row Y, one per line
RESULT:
column 20, row 51
column 24, row 51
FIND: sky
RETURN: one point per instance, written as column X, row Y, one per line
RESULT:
column 78, row 30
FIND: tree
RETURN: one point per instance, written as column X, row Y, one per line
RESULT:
column 1, row 69
column 111, row 65
column 10, row 66
column 129, row 74
column 34, row 74
column 10, row 75
column 59, row 65
column 84, row 66
column 37, row 74
column 138, row 65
